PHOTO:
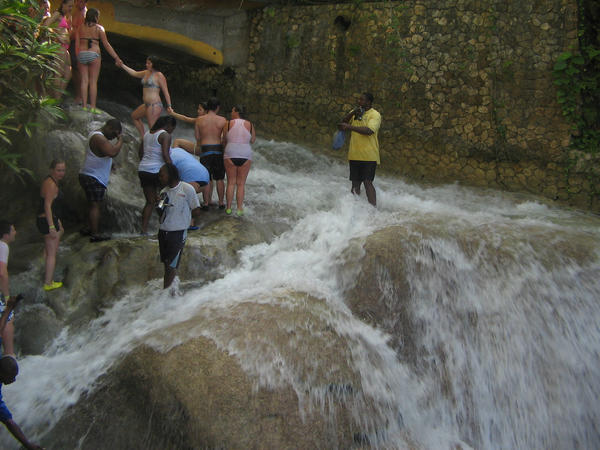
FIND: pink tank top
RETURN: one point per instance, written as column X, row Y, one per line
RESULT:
column 238, row 141
column 64, row 23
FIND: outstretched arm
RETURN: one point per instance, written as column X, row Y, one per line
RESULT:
column 133, row 73
column 108, row 47
column 16, row 431
column 181, row 116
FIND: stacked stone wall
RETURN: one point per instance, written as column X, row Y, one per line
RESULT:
column 465, row 87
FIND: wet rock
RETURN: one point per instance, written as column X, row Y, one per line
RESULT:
column 36, row 327
column 192, row 392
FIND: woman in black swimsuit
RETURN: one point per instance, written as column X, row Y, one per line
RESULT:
column 48, row 220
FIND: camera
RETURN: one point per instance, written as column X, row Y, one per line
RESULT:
column 358, row 113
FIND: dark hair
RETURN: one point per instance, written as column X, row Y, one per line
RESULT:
column 56, row 162
column 60, row 8
column 240, row 110
column 212, row 104
column 162, row 122
column 9, row 366
column 114, row 125
column 154, row 60
column 369, row 96
column 5, row 227
column 91, row 16
column 172, row 172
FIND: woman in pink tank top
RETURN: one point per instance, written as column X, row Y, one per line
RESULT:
column 238, row 134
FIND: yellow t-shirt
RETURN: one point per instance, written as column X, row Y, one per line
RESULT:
column 363, row 147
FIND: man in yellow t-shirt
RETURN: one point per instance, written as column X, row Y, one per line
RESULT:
column 363, row 155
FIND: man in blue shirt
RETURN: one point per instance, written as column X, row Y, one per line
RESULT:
column 8, row 373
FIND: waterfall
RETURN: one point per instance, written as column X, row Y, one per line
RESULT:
column 502, row 297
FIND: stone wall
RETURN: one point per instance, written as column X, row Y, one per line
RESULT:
column 465, row 87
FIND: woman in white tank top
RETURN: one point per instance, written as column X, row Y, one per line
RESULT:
column 154, row 153
column 238, row 134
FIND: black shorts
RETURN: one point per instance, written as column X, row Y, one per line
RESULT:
column 362, row 170
column 213, row 162
column 170, row 245
column 94, row 190
column 42, row 224
column 148, row 179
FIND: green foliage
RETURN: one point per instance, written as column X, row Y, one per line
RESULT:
column 29, row 63
column 576, row 85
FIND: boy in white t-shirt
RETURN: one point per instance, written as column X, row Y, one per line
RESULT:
column 7, row 235
column 178, row 202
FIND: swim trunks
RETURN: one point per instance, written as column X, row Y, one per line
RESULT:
column 362, row 170
column 85, row 57
column 170, row 246
column 148, row 179
column 94, row 190
column 212, row 158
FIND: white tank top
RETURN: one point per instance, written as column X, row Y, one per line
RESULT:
column 153, row 159
column 96, row 166
column 238, row 140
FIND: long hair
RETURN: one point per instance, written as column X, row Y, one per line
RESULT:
column 154, row 60
column 91, row 16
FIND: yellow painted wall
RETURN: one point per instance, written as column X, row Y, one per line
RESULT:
column 157, row 35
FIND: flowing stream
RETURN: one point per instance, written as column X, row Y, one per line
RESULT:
column 504, row 297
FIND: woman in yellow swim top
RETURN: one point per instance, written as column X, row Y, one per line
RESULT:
column 153, row 82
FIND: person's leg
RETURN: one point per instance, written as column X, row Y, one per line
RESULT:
column 206, row 193
column 231, row 171
column 51, row 248
column 136, row 116
column 153, row 113
column 355, row 187
column 221, row 191
column 94, row 217
column 151, row 198
column 242, row 175
column 94, row 73
column 83, row 88
column 170, row 273
column 370, row 191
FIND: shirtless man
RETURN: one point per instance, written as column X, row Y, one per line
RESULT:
column 209, row 131
column 78, row 17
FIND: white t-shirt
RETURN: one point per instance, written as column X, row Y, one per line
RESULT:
column 182, row 199
column 4, row 252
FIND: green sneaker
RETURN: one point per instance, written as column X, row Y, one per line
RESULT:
column 240, row 212
column 228, row 211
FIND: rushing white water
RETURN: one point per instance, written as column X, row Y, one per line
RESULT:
column 507, row 347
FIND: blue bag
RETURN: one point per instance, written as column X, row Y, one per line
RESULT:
column 338, row 139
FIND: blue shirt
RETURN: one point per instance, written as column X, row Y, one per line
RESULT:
column 4, row 412
column 189, row 167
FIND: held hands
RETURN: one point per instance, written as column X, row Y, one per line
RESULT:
column 344, row 126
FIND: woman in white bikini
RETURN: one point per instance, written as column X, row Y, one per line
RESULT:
column 87, row 45
column 153, row 82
